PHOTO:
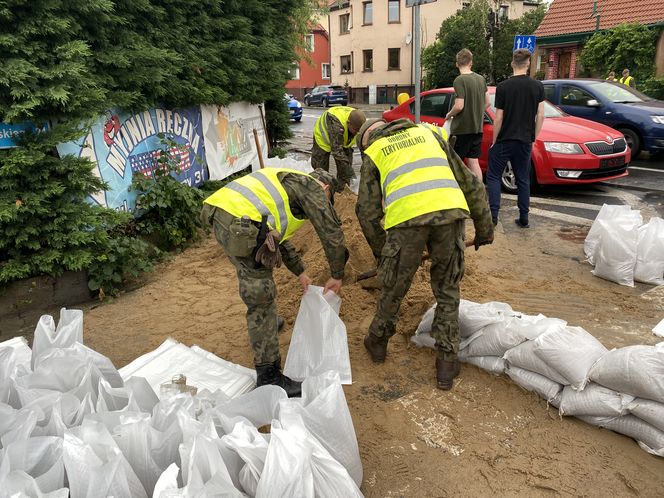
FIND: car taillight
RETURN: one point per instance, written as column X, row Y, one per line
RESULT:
column 330, row 92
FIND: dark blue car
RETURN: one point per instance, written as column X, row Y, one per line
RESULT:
column 294, row 107
column 637, row 116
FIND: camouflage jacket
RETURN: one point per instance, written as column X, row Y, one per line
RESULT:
column 307, row 200
column 369, row 208
column 340, row 151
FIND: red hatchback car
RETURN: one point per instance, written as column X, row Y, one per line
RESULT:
column 568, row 150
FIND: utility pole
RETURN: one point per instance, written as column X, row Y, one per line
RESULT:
column 415, row 4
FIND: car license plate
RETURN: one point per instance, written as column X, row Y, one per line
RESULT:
column 612, row 162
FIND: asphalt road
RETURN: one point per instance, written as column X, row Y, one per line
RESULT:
column 643, row 189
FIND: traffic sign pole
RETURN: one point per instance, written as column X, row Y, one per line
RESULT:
column 416, row 18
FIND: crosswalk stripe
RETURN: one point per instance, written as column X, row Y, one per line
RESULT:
column 557, row 202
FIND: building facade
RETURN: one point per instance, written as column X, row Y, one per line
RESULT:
column 372, row 42
column 313, row 68
column 569, row 23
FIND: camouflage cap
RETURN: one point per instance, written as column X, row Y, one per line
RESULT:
column 328, row 179
column 359, row 138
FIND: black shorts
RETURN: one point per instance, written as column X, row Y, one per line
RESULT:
column 468, row 145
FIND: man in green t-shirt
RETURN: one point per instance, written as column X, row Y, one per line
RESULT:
column 472, row 98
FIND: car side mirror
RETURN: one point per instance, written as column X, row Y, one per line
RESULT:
column 593, row 103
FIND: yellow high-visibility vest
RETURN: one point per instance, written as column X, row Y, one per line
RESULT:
column 436, row 129
column 415, row 176
column 257, row 194
column 321, row 133
column 626, row 81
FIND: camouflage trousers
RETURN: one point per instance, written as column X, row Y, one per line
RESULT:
column 257, row 290
column 344, row 164
column 400, row 258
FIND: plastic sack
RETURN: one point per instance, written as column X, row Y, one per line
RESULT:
column 492, row 364
column 22, row 354
column 594, row 401
column 530, row 381
column 570, row 351
column 259, row 407
column 422, row 337
column 523, row 356
column 38, row 457
column 251, row 446
column 47, row 336
column 319, row 342
column 15, row 425
column 475, row 316
column 636, row 370
column 326, row 416
column 607, row 212
column 648, row 410
column 95, row 466
column 447, row 126
column 203, row 370
column 658, row 329
column 21, row 485
column 649, row 267
column 615, row 254
column 649, row 438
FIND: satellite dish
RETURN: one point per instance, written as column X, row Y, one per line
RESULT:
column 409, row 38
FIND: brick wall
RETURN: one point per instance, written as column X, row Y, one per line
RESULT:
column 572, row 64
column 552, row 71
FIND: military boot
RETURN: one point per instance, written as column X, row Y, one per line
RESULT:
column 447, row 368
column 270, row 374
column 377, row 347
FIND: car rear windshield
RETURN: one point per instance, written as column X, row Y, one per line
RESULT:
column 550, row 110
column 616, row 92
column 336, row 88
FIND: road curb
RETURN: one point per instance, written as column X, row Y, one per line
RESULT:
column 633, row 187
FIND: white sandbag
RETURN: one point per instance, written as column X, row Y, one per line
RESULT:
column 607, row 212
column 15, row 425
column 648, row 410
column 319, row 341
column 594, row 401
column 142, row 393
column 637, row 370
column 96, row 467
column 531, row 381
column 570, row 351
column 20, row 485
column 203, row 370
column 259, row 406
column 287, row 471
column 40, row 458
column 167, row 484
column 492, row 364
column 288, row 162
column 251, row 447
column 649, row 438
column 649, row 267
column 47, row 336
column 424, row 340
column 523, row 356
column 615, row 254
column 475, row 316
column 658, row 329
column 326, row 416
column 22, row 354
column 426, row 322
column 112, row 399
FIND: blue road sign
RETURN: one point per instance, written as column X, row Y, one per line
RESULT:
column 9, row 131
column 525, row 41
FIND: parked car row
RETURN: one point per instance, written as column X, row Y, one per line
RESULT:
column 326, row 95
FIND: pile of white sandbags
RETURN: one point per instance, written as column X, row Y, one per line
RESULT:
column 72, row 425
column 623, row 249
column 622, row 389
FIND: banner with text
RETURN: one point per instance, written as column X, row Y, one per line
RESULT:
column 229, row 138
column 123, row 144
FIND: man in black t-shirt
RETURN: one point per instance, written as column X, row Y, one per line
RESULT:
column 519, row 119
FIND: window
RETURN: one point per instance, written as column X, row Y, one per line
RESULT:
column 393, row 11
column 367, row 57
column 325, row 68
column 344, row 23
column 503, row 12
column 368, row 13
column 346, row 64
column 550, row 93
column 309, row 42
column 435, row 106
column 465, row 5
column 572, row 95
column 393, row 56
column 295, row 71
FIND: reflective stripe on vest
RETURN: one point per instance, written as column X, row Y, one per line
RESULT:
column 259, row 194
column 626, row 81
column 321, row 134
column 415, row 176
column 436, row 129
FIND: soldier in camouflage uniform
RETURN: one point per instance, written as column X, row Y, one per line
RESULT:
column 308, row 197
column 334, row 133
column 399, row 249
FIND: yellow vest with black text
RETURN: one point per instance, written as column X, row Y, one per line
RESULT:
column 257, row 194
column 436, row 129
column 321, row 133
column 415, row 176
column 626, row 81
